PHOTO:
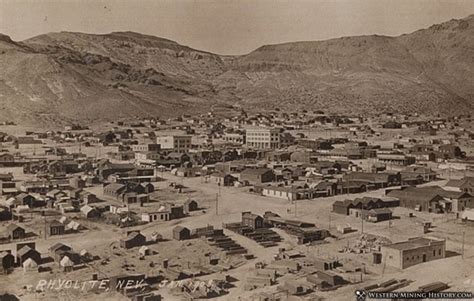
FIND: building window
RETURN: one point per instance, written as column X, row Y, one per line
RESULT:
column 439, row 252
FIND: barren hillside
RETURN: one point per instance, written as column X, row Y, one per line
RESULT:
column 65, row 76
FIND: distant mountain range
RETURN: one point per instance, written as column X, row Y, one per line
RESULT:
column 66, row 76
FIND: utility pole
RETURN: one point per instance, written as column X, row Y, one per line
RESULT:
column 362, row 219
column 217, row 204
column 45, row 227
column 296, row 208
column 462, row 252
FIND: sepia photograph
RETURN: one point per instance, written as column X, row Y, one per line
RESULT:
column 236, row 150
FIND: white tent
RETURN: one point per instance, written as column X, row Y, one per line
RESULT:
column 73, row 226
column 468, row 215
column 84, row 253
column 144, row 250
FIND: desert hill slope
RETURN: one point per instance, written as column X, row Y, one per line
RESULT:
column 65, row 76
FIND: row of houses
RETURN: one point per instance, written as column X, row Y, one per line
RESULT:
column 432, row 199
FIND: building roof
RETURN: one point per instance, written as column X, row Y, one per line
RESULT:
column 22, row 196
column 370, row 177
column 13, row 227
column 413, row 243
column 380, row 211
column 281, row 188
column 114, row 187
column 324, row 185
column 133, row 235
column 55, row 223
column 250, row 215
column 86, row 209
column 454, row 183
column 24, row 250
column 66, row 261
column 178, row 229
column 418, row 169
column 427, row 192
column 423, row 194
column 59, row 246
column 30, row 263
column 4, row 254
column 256, row 171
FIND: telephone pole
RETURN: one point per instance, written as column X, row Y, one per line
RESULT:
column 217, row 204
column 45, row 227
column 462, row 252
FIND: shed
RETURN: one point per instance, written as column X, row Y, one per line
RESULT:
column 191, row 205
column 90, row 212
column 15, row 231
column 133, row 239
column 67, row 264
column 181, row 233
column 30, row 265
column 7, row 260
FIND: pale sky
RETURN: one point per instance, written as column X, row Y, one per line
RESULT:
column 229, row 26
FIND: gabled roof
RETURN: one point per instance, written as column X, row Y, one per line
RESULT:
column 380, row 211
column 133, row 235
column 13, row 227
column 178, row 229
column 250, row 215
column 86, row 209
column 4, row 254
column 427, row 193
column 25, row 250
column 22, row 196
column 324, row 185
column 454, row 183
column 55, row 223
column 66, row 261
column 30, row 263
column 59, row 246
